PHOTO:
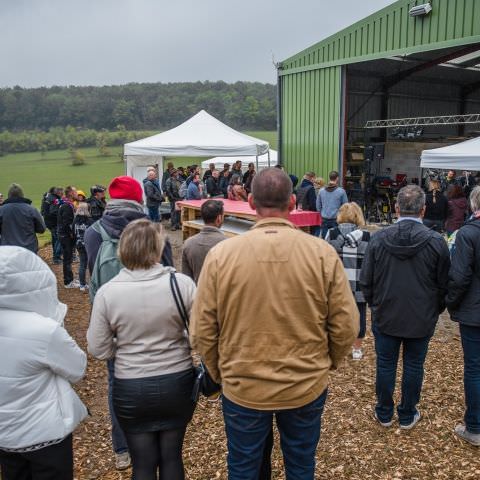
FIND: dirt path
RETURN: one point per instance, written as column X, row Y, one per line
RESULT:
column 352, row 446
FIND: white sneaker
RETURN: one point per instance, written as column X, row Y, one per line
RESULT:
column 415, row 420
column 71, row 285
column 84, row 288
column 357, row 354
column 383, row 424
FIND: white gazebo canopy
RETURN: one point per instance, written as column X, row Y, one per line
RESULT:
column 200, row 136
column 263, row 161
column 460, row 156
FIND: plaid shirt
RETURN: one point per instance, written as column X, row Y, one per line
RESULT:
column 351, row 244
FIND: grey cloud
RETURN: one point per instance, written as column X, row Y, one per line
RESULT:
column 66, row 42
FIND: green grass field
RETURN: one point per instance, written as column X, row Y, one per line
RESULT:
column 37, row 173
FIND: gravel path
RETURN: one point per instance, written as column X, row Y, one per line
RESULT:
column 352, row 446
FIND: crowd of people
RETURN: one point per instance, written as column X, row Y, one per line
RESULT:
column 270, row 349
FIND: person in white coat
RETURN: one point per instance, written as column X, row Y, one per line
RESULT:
column 38, row 360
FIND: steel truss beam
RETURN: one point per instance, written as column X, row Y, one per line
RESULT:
column 424, row 121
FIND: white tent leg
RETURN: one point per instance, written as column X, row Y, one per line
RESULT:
column 256, row 162
column 269, row 158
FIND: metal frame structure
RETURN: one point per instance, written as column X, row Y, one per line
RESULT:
column 424, row 121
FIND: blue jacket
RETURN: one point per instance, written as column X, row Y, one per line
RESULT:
column 329, row 200
column 193, row 192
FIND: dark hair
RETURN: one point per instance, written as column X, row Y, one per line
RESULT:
column 69, row 190
column 15, row 191
column 333, row 175
column 411, row 200
column 271, row 188
column 210, row 210
column 455, row 191
column 236, row 180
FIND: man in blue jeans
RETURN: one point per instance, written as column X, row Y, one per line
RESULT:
column 329, row 200
column 273, row 352
column 404, row 279
column 463, row 302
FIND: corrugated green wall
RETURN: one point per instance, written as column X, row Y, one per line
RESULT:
column 311, row 104
column 391, row 31
column 310, row 82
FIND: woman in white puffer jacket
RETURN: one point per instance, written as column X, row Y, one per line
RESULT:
column 38, row 359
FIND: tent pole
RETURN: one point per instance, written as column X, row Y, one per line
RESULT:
column 257, row 162
column 124, row 160
column 269, row 158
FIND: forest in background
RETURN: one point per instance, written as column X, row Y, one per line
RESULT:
column 137, row 106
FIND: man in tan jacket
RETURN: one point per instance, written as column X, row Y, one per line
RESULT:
column 273, row 314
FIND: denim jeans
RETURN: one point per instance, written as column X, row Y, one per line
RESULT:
column 82, row 269
column 327, row 224
column 56, row 246
column 174, row 215
column 414, row 354
column 471, row 376
column 67, row 249
column 119, row 441
column 248, row 433
column 153, row 214
column 362, row 309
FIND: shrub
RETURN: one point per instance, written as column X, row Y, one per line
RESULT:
column 78, row 158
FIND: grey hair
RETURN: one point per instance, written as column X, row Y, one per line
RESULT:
column 83, row 209
column 411, row 200
column 475, row 199
column 15, row 191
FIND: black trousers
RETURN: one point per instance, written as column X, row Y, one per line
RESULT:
column 50, row 463
column 67, row 248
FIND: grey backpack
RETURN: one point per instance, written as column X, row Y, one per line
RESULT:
column 107, row 264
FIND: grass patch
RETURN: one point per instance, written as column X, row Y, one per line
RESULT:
column 37, row 173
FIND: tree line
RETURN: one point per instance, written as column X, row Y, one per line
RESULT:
column 72, row 138
column 137, row 106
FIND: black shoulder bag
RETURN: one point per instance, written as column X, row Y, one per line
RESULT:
column 204, row 384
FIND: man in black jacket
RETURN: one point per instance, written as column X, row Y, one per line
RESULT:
column 66, row 214
column 19, row 221
column 154, row 195
column 50, row 206
column 463, row 302
column 404, row 279
column 97, row 203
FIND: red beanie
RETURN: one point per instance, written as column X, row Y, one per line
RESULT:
column 125, row 188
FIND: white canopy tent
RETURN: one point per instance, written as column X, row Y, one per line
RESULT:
column 460, row 156
column 200, row 136
column 263, row 161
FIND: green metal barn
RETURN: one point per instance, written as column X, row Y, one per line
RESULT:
column 382, row 90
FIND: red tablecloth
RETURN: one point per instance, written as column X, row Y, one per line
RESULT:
column 300, row 218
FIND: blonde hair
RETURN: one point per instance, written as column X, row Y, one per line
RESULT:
column 319, row 182
column 351, row 213
column 83, row 209
column 141, row 245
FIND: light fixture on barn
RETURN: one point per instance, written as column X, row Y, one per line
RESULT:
column 420, row 10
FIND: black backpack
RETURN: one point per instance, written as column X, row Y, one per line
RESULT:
column 302, row 199
column 45, row 207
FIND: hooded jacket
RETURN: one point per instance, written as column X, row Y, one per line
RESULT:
column 39, row 359
column 118, row 214
column 404, row 279
column 329, row 201
column 351, row 244
column 19, row 224
column 463, row 299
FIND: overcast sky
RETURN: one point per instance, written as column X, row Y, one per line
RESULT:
column 105, row 42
